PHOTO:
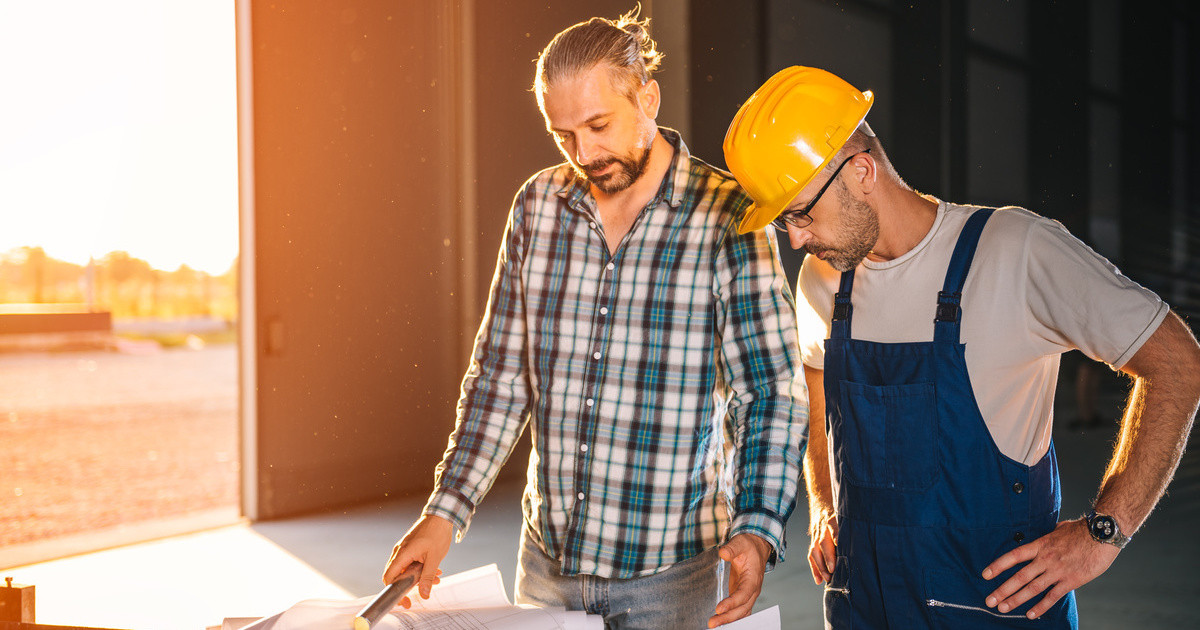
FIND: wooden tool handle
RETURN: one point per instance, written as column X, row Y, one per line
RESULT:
column 386, row 600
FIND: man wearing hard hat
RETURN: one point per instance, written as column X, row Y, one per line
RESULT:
column 931, row 348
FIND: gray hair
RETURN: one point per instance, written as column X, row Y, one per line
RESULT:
column 624, row 45
column 862, row 139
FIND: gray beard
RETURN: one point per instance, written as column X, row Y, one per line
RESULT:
column 859, row 231
column 627, row 172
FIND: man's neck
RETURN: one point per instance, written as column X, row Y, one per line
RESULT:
column 905, row 217
column 646, row 186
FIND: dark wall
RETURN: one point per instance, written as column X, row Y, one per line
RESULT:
column 1083, row 111
column 727, row 64
column 380, row 197
column 351, row 271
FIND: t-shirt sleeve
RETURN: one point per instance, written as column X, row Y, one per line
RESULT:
column 816, row 285
column 1079, row 300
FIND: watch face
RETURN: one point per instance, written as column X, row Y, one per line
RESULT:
column 1102, row 527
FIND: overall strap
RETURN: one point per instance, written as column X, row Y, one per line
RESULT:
column 839, row 323
column 949, row 311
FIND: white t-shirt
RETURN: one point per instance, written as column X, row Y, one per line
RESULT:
column 1033, row 292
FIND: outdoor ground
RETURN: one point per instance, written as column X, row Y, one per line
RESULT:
column 90, row 440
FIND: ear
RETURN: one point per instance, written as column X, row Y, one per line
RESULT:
column 649, row 99
column 865, row 172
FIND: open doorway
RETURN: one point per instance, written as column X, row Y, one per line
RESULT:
column 118, row 274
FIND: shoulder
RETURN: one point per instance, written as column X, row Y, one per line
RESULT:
column 1015, row 231
column 543, row 186
column 1014, row 222
column 715, row 187
column 548, row 181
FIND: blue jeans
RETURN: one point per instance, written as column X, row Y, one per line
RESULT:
column 681, row 597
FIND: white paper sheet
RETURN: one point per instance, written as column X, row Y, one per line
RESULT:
column 471, row 600
column 762, row 620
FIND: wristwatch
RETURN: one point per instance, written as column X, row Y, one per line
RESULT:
column 1103, row 528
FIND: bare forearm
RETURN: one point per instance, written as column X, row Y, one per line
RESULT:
column 1156, row 424
column 816, row 457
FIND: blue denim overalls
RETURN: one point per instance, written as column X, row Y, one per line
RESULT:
column 925, row 499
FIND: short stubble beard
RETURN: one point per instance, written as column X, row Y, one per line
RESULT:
column 857, row 234
column 629, row 170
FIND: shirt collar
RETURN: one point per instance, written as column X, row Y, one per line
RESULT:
column 672, row 190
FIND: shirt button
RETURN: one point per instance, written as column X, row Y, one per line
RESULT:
column 1018, row 487
column 1018, row 537
column 580, row 496
column 583, row 447
column 592, row 225
column 596, row 355
column 604, row 310
column 610, row 266
column 590, row 402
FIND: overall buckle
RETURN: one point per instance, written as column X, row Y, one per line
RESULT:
column 948, row 309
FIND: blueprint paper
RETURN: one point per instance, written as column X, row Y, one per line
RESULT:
column 471, row 600
column 477, row 588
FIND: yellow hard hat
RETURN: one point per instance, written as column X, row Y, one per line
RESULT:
column 786, row 133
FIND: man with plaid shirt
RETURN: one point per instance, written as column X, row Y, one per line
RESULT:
column 651, row 349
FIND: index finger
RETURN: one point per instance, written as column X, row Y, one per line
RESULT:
column 744, row 593
column 737, row 605
column 816, row 562
column 1024, row 553
column 401, row 559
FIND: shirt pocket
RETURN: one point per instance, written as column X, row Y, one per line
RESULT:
column 889, row 435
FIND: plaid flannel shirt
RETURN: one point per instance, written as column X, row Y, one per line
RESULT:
column 662, row 381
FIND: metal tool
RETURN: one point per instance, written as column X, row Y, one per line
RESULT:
column 386, row 600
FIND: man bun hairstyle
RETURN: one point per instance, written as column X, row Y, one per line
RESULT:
column 623, row 44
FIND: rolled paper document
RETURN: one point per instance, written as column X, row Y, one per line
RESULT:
column 386, row 600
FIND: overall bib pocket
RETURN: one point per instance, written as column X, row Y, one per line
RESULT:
column 889, row 434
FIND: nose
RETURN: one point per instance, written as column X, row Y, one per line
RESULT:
column 584, row 150
column 798, row 237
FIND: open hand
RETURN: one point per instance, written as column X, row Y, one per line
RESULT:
column 1060, row 561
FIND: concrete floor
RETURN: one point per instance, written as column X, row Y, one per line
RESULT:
column 190, row 582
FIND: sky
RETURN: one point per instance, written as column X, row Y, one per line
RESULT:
column 118, row 130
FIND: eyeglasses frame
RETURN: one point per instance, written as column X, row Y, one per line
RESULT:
column 802, row 218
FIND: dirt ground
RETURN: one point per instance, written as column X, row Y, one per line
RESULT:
column 90, row 440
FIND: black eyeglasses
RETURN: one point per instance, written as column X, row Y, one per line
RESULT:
column 801, row 218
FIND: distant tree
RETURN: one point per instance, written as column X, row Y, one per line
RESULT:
column 120, row 283
column 128, row 277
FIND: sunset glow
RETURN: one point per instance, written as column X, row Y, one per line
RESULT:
column 119, row 130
